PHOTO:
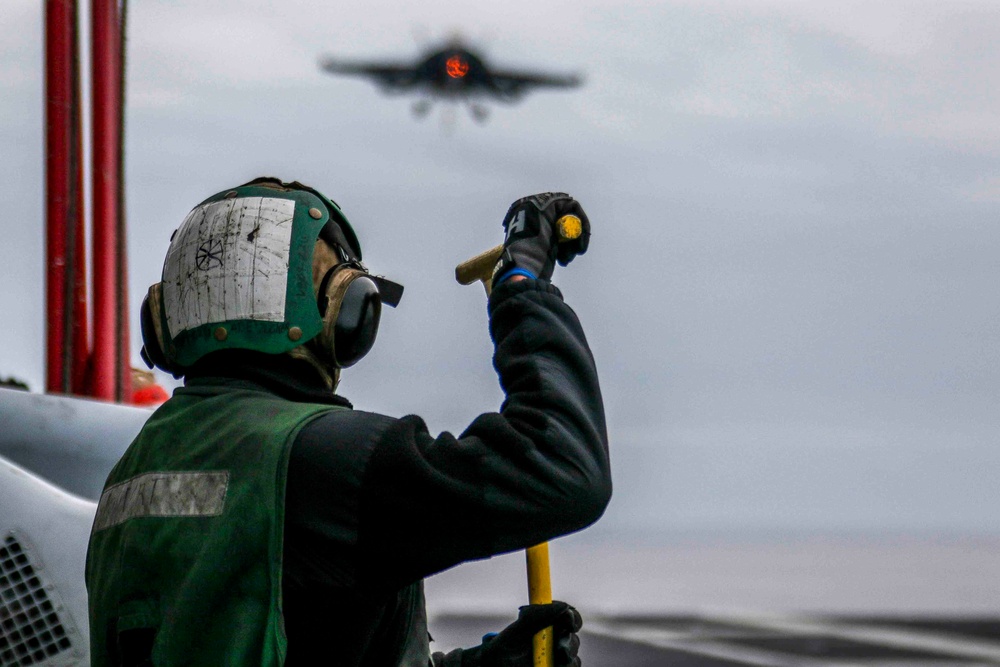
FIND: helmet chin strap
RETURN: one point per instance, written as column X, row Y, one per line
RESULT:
column 329, row 374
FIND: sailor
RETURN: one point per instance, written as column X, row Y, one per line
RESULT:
column 257, row 519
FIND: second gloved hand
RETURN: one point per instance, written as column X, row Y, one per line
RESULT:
column 532, row 244
column 513, row 646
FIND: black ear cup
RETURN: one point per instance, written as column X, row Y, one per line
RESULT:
column 151, row 351
column 152, row 348
column 350, row 297
column 357, row 322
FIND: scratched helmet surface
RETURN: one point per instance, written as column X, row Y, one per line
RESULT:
column 239, row 271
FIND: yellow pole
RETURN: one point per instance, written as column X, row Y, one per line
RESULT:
column 540, row 592
column 481, row 268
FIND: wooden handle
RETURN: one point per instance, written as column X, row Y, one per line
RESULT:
column 482, row 265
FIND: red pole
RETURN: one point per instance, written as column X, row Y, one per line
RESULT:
column 104, row 182
column 80, row 343
column 60, row 17
column 123, row 345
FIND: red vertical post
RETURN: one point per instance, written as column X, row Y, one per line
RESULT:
column 80, row 331
column 104, row 183
column 124, row 359
column 60, row 17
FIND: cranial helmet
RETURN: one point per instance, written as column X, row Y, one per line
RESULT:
column 266, row 266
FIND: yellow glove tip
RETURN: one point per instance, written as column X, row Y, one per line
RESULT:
column 570, row 227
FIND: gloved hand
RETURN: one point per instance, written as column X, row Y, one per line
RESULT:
column 512, row 647
column 532, row 241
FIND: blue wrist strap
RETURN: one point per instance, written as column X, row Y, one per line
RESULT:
column 513, row 272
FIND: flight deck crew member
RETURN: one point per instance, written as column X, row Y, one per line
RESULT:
column 257, row 519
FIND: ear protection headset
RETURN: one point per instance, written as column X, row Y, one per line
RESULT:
column 351, row 307
column 349, row 301
column 151, row 326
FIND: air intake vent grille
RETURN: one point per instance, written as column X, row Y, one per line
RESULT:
column 30, row 628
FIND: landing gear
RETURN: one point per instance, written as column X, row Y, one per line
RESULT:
column 421, row 108
column 479, row 113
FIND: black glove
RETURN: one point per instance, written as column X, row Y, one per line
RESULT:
column 532, row 241
column 512, row 647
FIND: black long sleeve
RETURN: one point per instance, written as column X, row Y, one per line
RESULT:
column 533, row 471
column 376, row 502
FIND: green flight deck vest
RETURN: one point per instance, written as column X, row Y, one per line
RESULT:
column 185, row 553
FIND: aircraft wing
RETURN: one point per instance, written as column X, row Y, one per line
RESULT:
column 387, row 75
column 514, row 84
column 43, row 549
column 71, row 442
column 55, row 454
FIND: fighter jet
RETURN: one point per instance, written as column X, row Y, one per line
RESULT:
column 453, row 72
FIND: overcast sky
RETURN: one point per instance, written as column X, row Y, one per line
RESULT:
column 791, row 291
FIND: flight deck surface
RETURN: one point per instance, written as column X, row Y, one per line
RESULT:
column 734, row 641
column 812, row 601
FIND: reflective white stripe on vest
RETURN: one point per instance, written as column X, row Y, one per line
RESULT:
column 163, row 494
